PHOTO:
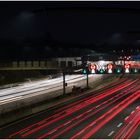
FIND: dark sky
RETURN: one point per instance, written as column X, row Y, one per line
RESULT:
column 68, row 21
column 88, row 23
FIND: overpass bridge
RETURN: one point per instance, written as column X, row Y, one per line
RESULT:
column 53, row 64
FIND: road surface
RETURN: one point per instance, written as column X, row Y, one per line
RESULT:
column 111, row 112
column 20, row 92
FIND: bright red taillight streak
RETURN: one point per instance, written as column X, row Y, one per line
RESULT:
column 130, row 125
column 82, row 100
column 109, row 115
column 115, row 98
column 57, row 113
column 78, row 107
column 69, row 111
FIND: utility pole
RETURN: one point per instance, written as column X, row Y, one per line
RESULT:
column 64, row 89
column 87, row 81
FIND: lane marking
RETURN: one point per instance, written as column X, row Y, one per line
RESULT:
column 92, row 124
column 98, row 106
column 79, row 116
column 52, row 131
column 81, row 132
column 67, row 123
column 111, row 133
column 89, row 110
column 119, row 124
column 24, row 131
column 126, row 118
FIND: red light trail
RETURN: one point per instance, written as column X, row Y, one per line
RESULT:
column 106, row 104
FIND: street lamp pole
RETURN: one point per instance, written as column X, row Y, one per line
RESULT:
column 64, row 88
column 87, row 81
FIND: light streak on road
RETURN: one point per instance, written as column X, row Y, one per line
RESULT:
column 89, row 116
column 60, row 115
column 37, row 87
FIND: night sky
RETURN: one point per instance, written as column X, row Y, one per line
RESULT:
column 31, row 28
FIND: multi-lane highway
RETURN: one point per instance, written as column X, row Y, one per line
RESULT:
column 111, row 112
column 20, row 92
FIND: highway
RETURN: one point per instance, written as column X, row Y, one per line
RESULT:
column 19, row 92
column 111, row 112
